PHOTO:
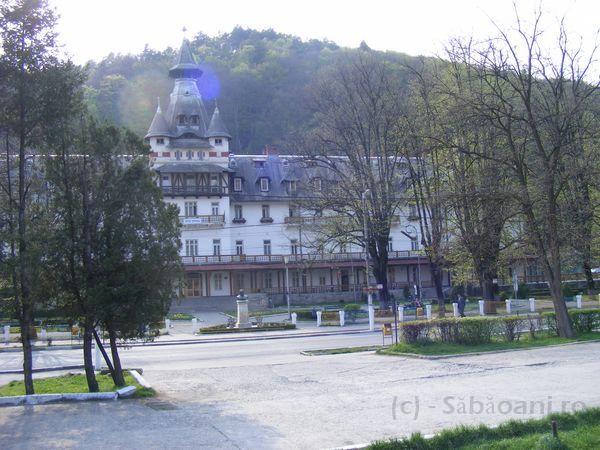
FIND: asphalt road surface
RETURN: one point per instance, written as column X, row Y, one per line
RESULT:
column 264, row 394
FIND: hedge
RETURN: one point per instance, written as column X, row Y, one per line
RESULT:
column 583, row 320
column 469, row 330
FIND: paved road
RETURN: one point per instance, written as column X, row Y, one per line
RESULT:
column 263, row 394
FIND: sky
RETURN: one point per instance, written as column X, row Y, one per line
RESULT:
column 91, row 29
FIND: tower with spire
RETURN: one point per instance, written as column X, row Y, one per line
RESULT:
column 183, row 131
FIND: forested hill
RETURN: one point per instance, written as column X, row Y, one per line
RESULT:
column 261, row 80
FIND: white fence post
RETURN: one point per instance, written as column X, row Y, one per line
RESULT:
column 481, row 308
column 428, row 311
column 371, row 318
column 342, row 317
column 168, row 325
column 43, row 334
column 6, row 334
column 400, row 313
column 97, row 354
column 294, row 318
column 194, row 325
column 508, row 306
column 532, row 305
column 319, row 313
column 578, row 298
column 455, row 309
column 598, row 298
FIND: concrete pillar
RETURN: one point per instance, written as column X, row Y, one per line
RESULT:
column 400, row 313
column 194, row 325
column 294, row 318
column 168, row 325
column 371, row 318
column 342, row 318
column 508, row 306
column 6, row 334
column 319, row 313
column 243, row 318
column 428, row 311
column 532, row 305
column 579, row 299
column 455, row 309
column 97, row 355
column 481, row 308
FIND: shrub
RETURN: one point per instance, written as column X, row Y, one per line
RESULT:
column 523, row 291
column 585, row 321
column 304, row 315
column 549, row 321
column 510, row 327
column 447, row 330
column 352, row 307
column 330, row 316
column 412, row 332
column 476, row 330
column 569, row 291
column 504, row 295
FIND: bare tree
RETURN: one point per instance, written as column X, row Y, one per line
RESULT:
column 534, row 99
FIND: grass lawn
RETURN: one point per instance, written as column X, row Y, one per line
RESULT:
column 339, row 351
column 440, row 348
column 580, row 430
column 72, row 383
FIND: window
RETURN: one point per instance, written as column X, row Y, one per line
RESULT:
column 181, row 119
column 178, row 155
column 193, row 285
column 194, row 120
column 217, row 247
column 264, row 184
column 218, row 279
column 294, row 246
column 268, row 280
column 189, row 154
column 414, row 244
column 238, row 211
column 266, row 212
column 293, row 212
column 191, row 247
column 322, row 280
column 267, row 247
column 390, row 245
column 318, row 213
column 237, row 184
column 218, row 141
column 240, row 280
column 160, row 141
column 292, row 187
column 214, row 208
column 239, row 247
column 191, row 209
column 214, row 183
column 165, row 177
column 295, row 279
column 317, row 184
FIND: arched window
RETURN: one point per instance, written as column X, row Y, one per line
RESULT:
column 181, row 119
column 194, row 120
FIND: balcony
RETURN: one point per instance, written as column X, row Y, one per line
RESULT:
column 303, row 259
column 194, row 191
column 204, row 221
column 304, row 220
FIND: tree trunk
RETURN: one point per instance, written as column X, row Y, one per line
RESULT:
column 380, row 274
column 88, row 358
column 27, row 354
column 436, row 275
column 118, row 370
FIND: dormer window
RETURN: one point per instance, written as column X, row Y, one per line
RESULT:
column 264, row 184
column 237, row 184
column 292, row 187
column 317, row 184
column 181, row 119
column 194, row 120
column 218, row 141
column 160, row 141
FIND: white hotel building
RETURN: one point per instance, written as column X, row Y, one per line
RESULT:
column 239, row 225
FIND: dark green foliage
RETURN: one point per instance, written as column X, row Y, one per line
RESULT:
column 549, row 442
column 411, row 332
column 584, row 320
column 261, row 79
column 511, row 327
column 524, row 291
column 267, row 326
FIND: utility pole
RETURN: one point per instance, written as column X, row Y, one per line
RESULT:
column 366, row 248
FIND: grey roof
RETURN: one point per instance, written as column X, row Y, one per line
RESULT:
column 191, row 167
column 186, row 66
column 217, row 128
column 159, row 126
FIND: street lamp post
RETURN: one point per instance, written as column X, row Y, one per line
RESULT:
column 287, row 286
column 366, row 248
column 416, row 238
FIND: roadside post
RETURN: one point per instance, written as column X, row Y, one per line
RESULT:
column 428, row 311
column 455, row 309
column 400, row 313
column 532, row 305
column 194, row 325
column 508, row 306
column 579, row 298
column 481, row 308
column 342, row 314
column 319, row 313
column 294, row 318
column 168, row 325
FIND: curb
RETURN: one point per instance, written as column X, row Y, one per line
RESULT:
column 42, row 369
column 492, row 352
column 140, row 379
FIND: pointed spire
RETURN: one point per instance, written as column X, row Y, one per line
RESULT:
column 186, row 66
column 159, row 126
column 217, row 128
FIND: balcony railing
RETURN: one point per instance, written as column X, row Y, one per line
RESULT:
column 306, row 258
column 311, row 220
column 193, row 222
column 194, row 190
